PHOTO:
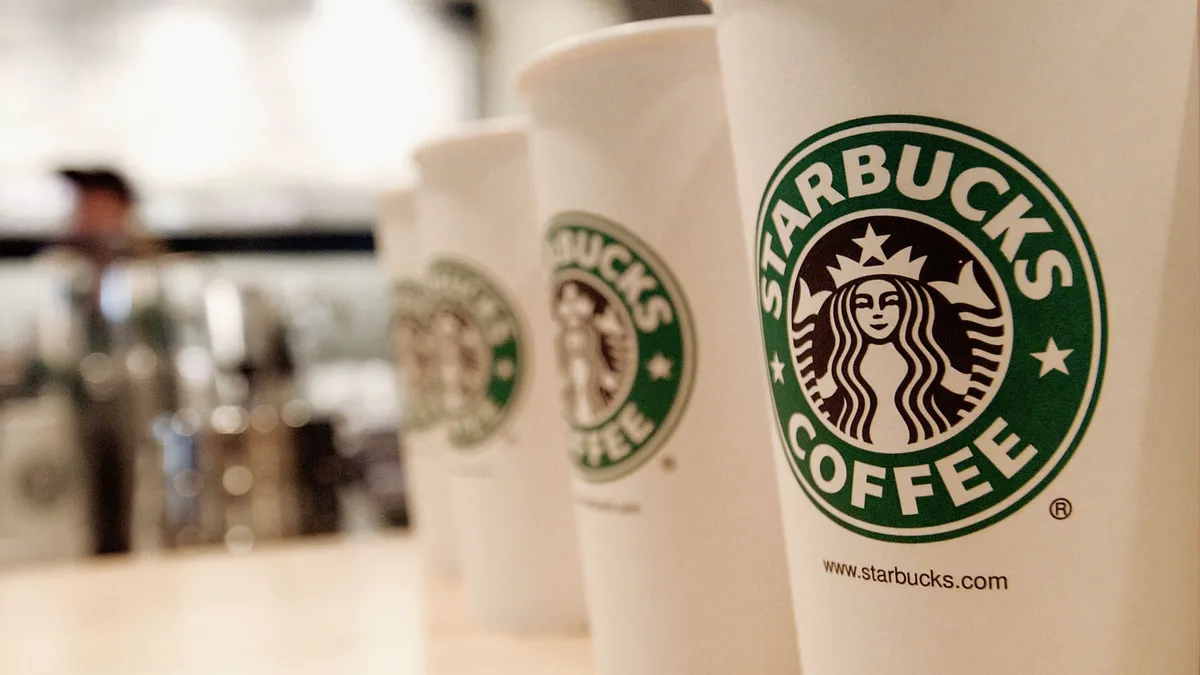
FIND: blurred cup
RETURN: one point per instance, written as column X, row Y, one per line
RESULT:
column 974, row 230
column 650, row 288
column 425, row 446
column 495, row 358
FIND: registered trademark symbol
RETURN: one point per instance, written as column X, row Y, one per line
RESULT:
column 668, row 464
column 1061, row 509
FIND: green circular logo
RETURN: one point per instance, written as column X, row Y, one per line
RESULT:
column 625, row 344
column 416, row 354
column 933, row 318
column 477, row 336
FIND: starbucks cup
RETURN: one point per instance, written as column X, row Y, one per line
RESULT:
column 495, row 343
column 650, row 290
column 423, row 440
column 970, row 224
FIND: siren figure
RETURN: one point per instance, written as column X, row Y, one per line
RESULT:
column 416, row 360
column 888, row 382
column 591, row 382
column 463, row 359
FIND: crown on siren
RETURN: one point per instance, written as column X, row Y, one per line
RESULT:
column 575, row 306
column 874, row 262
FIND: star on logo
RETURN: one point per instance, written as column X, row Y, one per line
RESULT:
column 1053, row 358
column 872, row 246
column 659, row 367
column 505, row 369
column 776, row 368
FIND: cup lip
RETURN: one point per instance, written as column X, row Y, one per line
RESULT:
column 490, row 129
column 602, row 40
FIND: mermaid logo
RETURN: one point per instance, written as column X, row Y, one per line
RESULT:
column 893, row 361
column 416, row 354
column 464, row 358
column 476, row 335
column 596, row 349
column 933, row 318
column 626, row 354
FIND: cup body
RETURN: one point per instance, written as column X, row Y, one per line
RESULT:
column 650, row 289
column 494, row 336
column 423, row 440
column 973, row 227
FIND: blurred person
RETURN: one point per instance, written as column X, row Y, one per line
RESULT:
column 103, row 224
column 104, row 232
column 104, row 200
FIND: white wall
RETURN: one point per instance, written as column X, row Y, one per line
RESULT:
column 192, row 96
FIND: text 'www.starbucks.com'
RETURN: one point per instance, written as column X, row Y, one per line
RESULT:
column 926, row 579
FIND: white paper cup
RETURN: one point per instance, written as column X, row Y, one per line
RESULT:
column 520, row 555
column 965, row 218
column 424, row 444
column 680, row 526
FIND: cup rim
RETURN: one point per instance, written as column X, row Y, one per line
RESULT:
column 488, row 129
column 602, row 40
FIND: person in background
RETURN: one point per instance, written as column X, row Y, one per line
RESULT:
column 103, row 224
column 103, row 230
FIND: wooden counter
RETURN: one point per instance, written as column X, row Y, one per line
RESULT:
column 327, row 607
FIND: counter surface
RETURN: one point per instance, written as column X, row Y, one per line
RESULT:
column 312, row 608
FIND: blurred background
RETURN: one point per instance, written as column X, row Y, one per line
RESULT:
column 193, row 330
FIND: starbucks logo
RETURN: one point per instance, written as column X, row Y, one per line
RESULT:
column 625, row 346
column 897, row 350
column 934, row 325
column 597, row 349
column 477, row 341
column 416, row 354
